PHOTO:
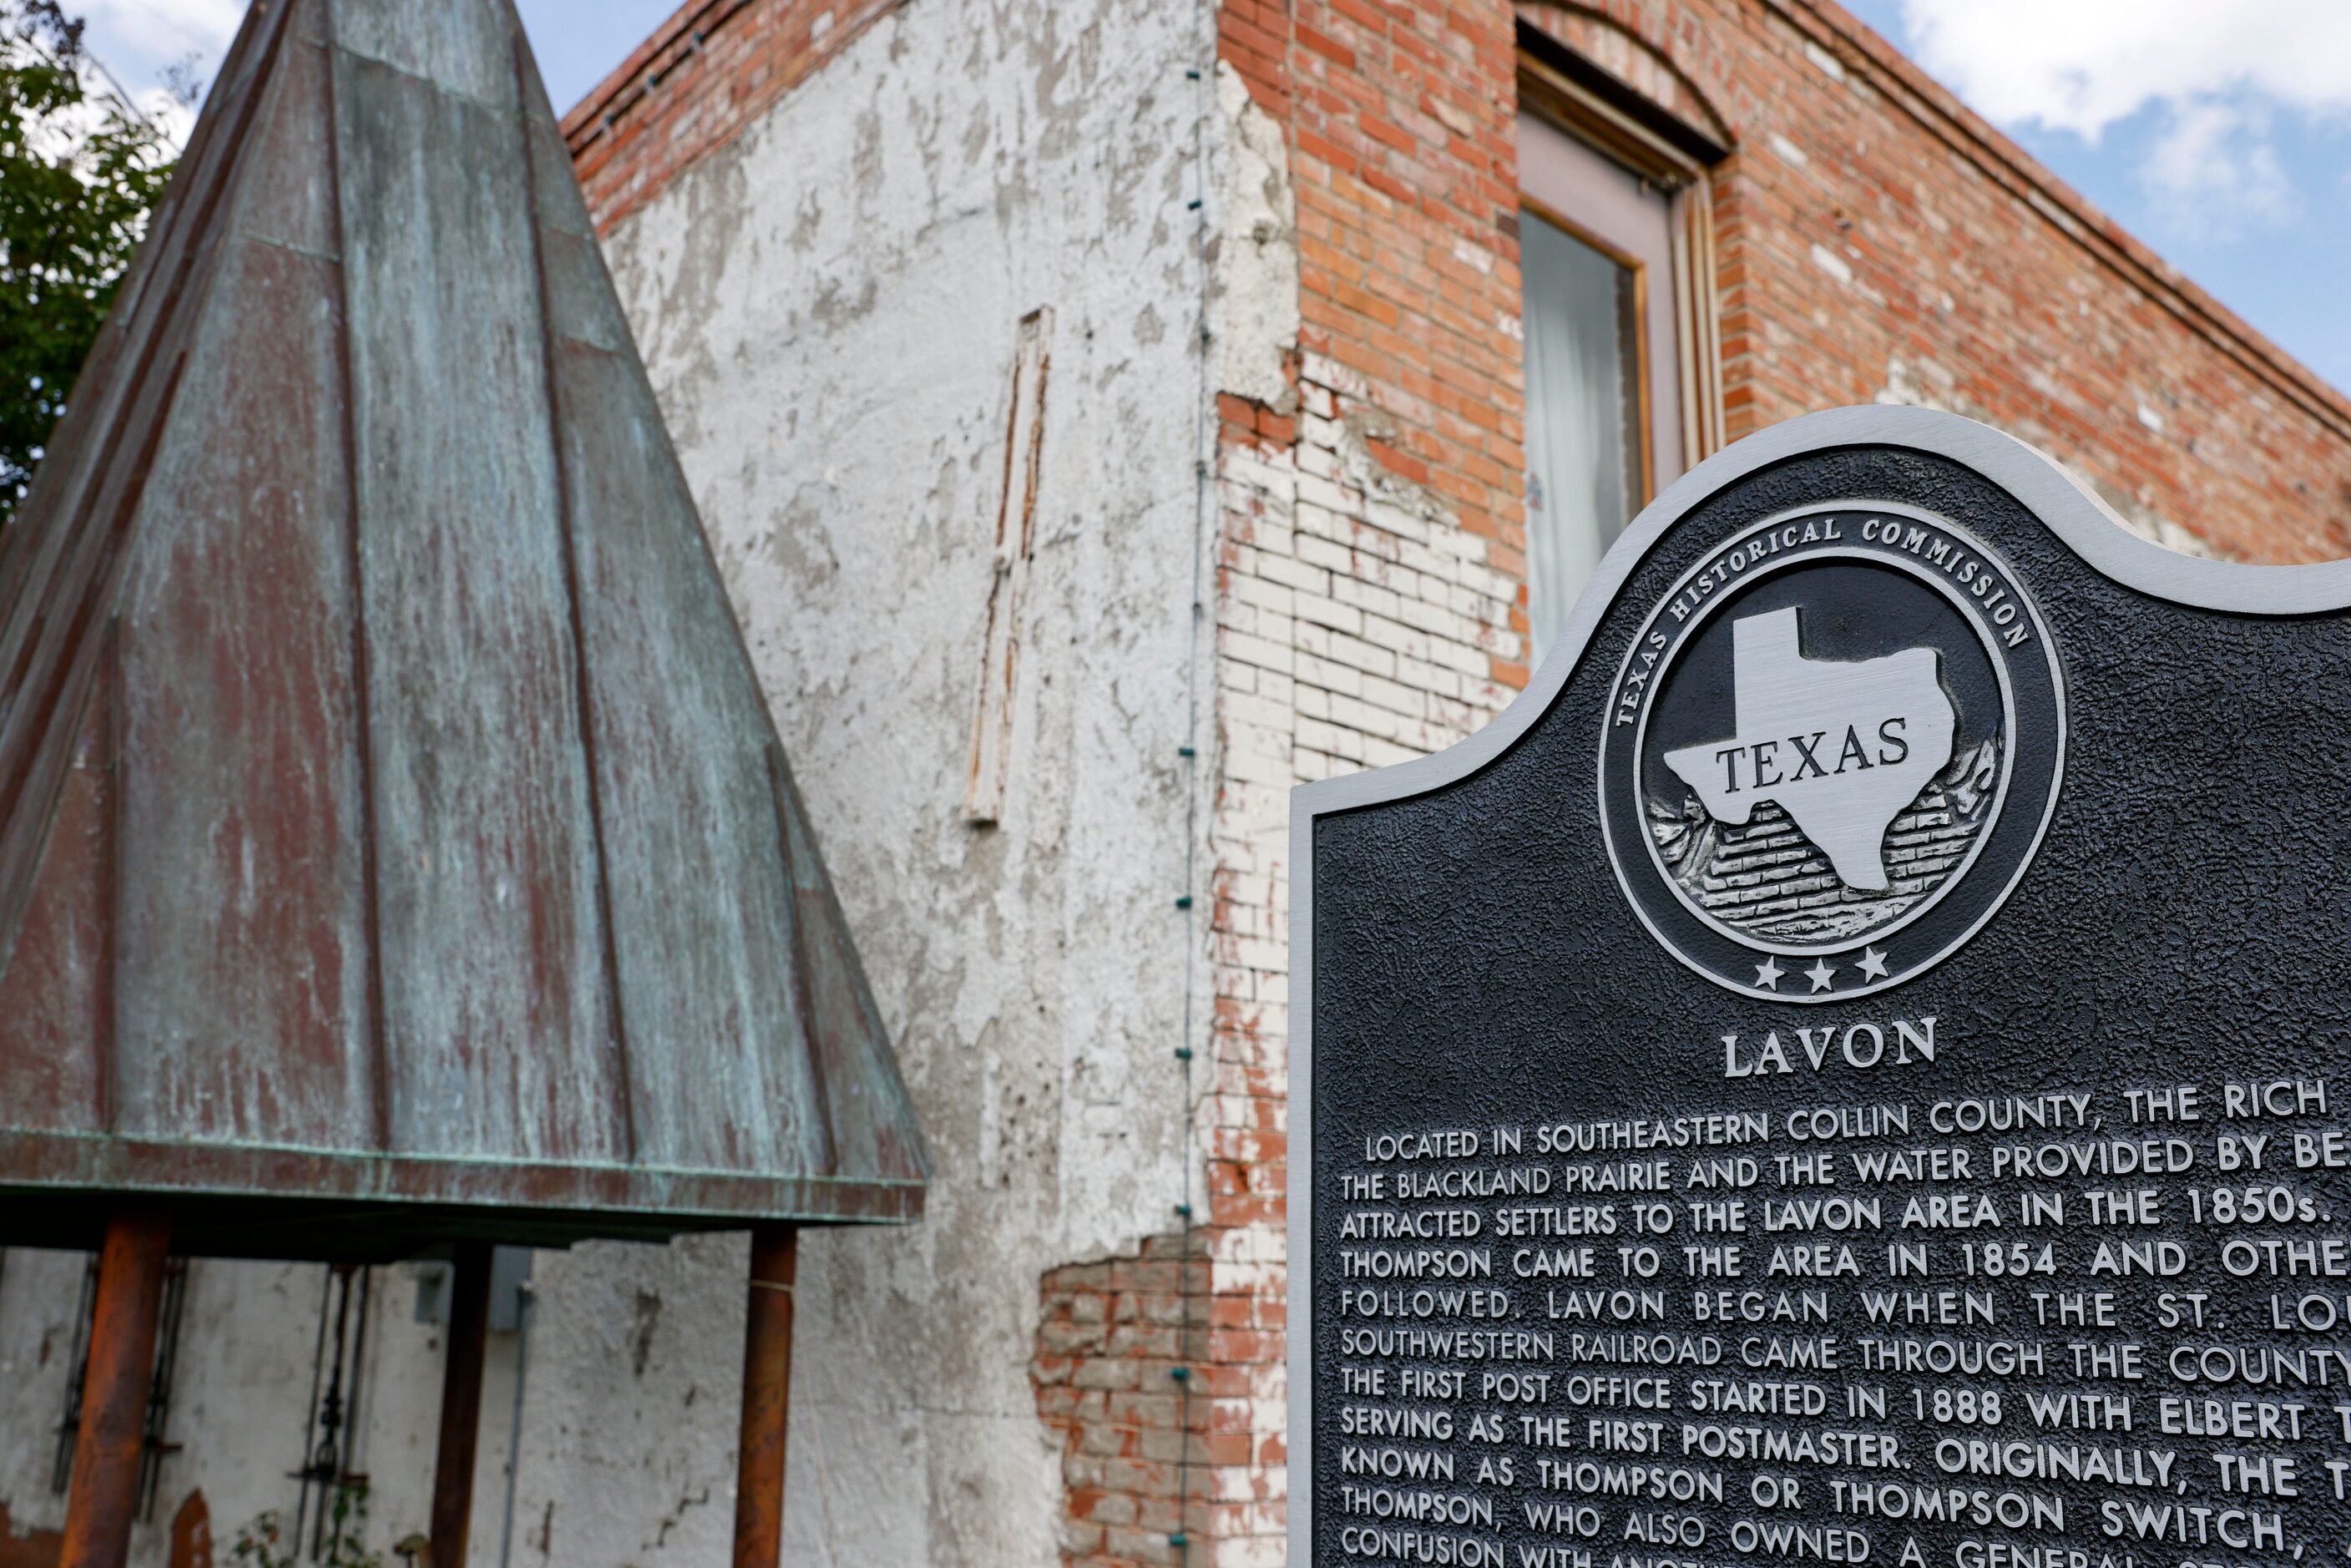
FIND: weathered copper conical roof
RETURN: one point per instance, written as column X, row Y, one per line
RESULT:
column 393, row 840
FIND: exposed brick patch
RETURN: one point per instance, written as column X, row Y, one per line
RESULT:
column 1136, row 1448
column 1244, row 421
column 1140, row 1457
column 704, row 77
column 1253, row 38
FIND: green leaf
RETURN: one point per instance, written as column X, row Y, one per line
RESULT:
column 80, row 172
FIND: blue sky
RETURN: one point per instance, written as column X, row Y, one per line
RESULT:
column 577, row 41
column 594, row 37
column 2217, row 131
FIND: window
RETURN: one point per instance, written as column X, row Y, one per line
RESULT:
column 1622, row 387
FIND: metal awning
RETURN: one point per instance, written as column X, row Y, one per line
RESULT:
column 394, row 844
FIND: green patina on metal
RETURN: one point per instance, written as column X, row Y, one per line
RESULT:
column 394, row 843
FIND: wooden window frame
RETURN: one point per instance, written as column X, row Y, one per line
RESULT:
column 1580, row 100
column 1643, row 393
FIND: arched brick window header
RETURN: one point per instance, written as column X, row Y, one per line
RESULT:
column 1614, row 64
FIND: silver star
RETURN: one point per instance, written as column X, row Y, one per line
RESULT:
column 1768, row 973
column 1873, row 965
column 1819, row 973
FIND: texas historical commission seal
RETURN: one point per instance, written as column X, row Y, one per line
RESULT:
column 1830, row 752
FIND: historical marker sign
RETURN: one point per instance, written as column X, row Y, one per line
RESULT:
column 1851, row 1067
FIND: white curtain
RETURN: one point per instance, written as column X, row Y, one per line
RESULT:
column 1580, row 410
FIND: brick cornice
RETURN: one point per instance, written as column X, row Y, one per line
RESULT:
column 1943, row 116
column 646, row 67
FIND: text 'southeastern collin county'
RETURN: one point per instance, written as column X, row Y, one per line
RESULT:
column 1854, row 1071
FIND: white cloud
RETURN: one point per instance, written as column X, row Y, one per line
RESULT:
column 2082, row 65
column 2216, row 73
column 2214, row 159
column 143, row 42
column 154, row 33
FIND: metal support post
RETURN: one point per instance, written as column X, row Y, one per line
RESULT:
column 461, row 1403
column 108, row 1446
column 767, row 1398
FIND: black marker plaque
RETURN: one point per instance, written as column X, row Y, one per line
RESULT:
column 1850, row 1068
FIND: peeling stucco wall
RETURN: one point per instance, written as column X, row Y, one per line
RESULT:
column 828, row 308
column 1254, row 261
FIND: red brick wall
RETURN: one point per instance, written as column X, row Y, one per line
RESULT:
column 1877, row 240
column 1906, row 230
column 1404, row 151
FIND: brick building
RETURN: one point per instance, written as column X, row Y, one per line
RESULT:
column 1109, row 414
column 1464, row 284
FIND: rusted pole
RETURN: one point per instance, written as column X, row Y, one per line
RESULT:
column 461, row 1403
column 767, row 1398
column 107, row 1448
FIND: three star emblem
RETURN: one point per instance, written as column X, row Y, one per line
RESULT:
column 1822, row 974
